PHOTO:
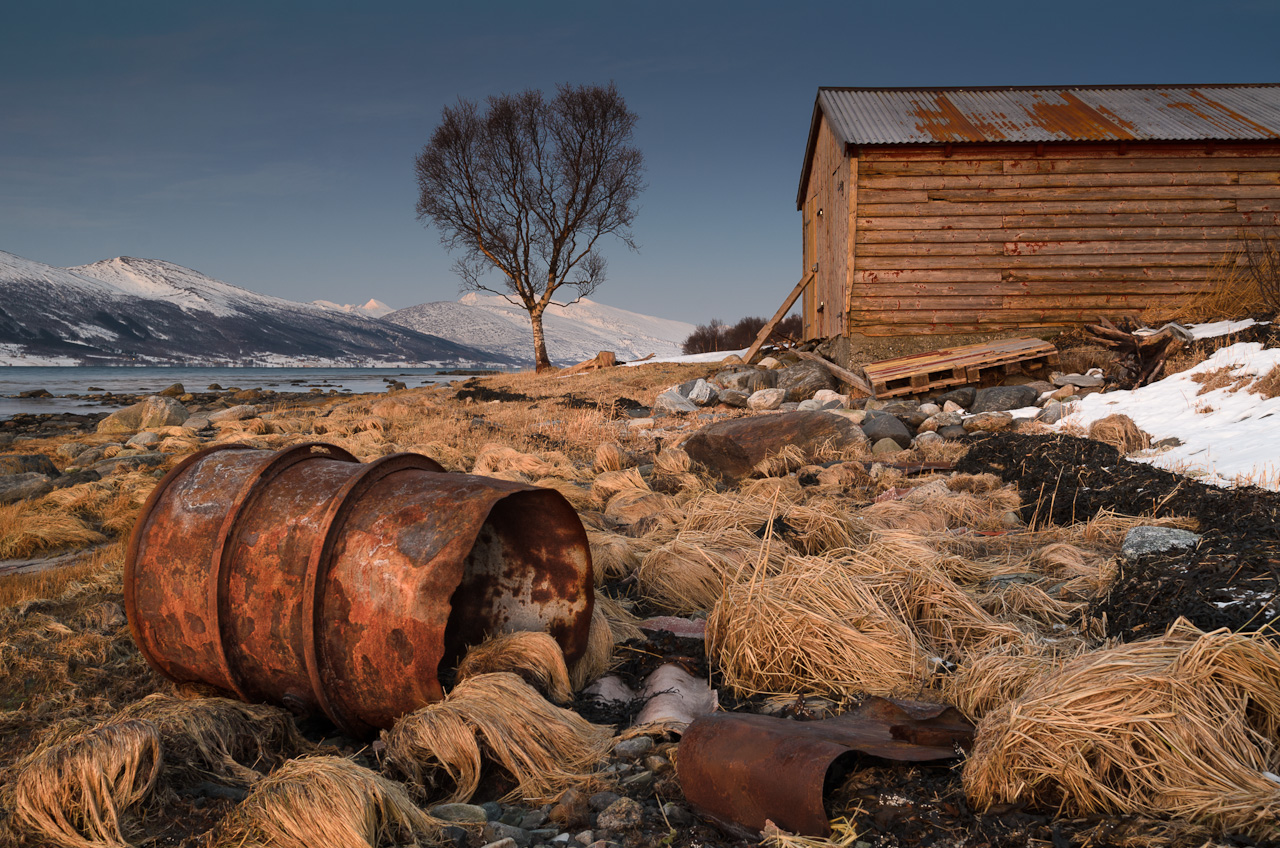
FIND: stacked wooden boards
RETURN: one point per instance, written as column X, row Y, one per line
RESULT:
column 978, row 363
column 1007, row 236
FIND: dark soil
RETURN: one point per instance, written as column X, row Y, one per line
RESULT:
column 474, row 390
column 1229, row 580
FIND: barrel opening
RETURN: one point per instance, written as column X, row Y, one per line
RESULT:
column 529, row 569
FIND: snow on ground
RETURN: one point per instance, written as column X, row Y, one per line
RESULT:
column 714, row 356
column 1219, row 328
column 1229, row 435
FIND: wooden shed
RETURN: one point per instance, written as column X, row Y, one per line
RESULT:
column 971, row 210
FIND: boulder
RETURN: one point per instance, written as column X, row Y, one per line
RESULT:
column 906, row 411
column 731, row 449
column 18, row 487
column 71, row 450
column 885, row 425
column 951, row 406
column 1052, row 413
column 145, row 440
column 27, row 463
column 769, row 362
column 233, row 413
column 766, row 399
column 988, row 422
column 672, row 401
column 734, row 379
column 928, row 439
column 702, row 393
column 154, row 411
column 734, row 397
column 174, row 391
column 930, row 408
column 885, row 447
column 130, row 462
column 1147, row 540
column 804, row 380
column 35, row 393
column 962, row 397
column 1002, row 398
column 827, row 396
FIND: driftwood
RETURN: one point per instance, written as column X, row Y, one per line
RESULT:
column 603, row 359
column 842, row 374
column 1142, row 354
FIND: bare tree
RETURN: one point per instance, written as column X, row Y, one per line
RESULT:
column 528, row 188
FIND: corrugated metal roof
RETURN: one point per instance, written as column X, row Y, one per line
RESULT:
column 1130, row 113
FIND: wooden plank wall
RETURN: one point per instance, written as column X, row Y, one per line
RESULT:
column 828, row 191
column 1002, row 237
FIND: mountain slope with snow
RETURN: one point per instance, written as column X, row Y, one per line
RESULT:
column 573, row 333
column 373, row 308
column 136, row 311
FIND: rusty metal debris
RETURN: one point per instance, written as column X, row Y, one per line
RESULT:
column 309, row 579
column 742, row 769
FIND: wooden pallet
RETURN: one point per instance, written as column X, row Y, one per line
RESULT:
column 955, row 366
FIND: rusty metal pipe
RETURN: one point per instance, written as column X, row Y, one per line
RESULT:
column 308, row 579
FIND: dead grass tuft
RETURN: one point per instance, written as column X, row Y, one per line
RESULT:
column 611, row 457
column 596, row 660
column 688, row 574
column 987, row 681
column 544, row 748
column 613, row 556
column 26, row 530
column 325, row 801
column 1120, row 432
column 1185, row 725
column 78, row 792
column 536, row 657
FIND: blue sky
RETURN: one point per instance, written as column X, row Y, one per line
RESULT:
column 271, row 144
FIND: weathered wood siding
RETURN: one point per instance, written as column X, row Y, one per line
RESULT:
column 1001, row 237
column 826, row 217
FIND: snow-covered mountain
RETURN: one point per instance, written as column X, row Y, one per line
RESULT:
column 373, row 309
column 573, row 333
column 146, row 311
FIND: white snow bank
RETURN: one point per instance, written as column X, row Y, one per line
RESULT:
column 1219, row 328
column 714, row 356
column 1228, row 437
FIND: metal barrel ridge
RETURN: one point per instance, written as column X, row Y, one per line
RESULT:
column 311, row 580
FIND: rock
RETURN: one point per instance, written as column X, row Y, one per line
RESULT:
column 496, row 832
column 1171, row 442
column 214, row 387
column 987, row 422
column 144, row 440
column 1082, row 381
column 804, row 380
column 825, row 396
column 641, row 423
column 455, row 837
column 930, row 409
column 884, row 425
column 196, row 423
column 1064, row 392
column 928, row 439
column 247, row 394
column 241, row 412
column 130, row 462
column 734, row 398
column 1040, row 386
column 492, row 809
column 906, row 411
column 702, row 393
column 396, row 386
column 506, row 842
column 35, row 393
column 809, row 405
column 584, row 837
column 631, row 749
column 1052, row 413
column 952, row 406
column 18, row 487
column 622, row 814
column 677, row 816
column 735, row 379
column 534, row 819
column 730, row 449
column 462, row 813
column 952, row 431
column 788, row 406
column 27, row 463
column 70, row 450
column 1147, row 540
column 672, row 401
column 601, row 800
column 731, row 359
column 1001, row 398
column 962, row 397
column 766, row 399
column 769, row 362
column 885, row 447
column 175, row 390
column 572, row 811
column 512, row 816
column 857, row 416
column 154, row 411
column 75, row 478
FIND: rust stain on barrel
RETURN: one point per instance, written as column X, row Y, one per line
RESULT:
column 309, row 579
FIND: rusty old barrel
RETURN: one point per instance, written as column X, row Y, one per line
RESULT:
column 309, row 579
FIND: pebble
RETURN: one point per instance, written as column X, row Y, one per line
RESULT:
column 502, row 843
column 656, row 764
column 602, row 800
column 492, row 810
column 633, row 748
column 463, row 813
column 640, row 780
column 622, row 814
column 676, row 815
column 586, row 837
column 573, row 810
column 456, row 836
column 496, row 831
column 534, row 819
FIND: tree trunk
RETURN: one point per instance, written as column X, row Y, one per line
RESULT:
column 540, row 360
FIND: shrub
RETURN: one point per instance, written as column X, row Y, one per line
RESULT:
column 716, row 335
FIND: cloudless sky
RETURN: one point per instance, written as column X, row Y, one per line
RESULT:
column 271, row 144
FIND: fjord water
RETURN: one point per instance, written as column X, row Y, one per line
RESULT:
column 88, row 381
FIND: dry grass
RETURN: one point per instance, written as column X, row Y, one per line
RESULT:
column 843, row 835
column 613, row 556
column 536, row 657
column 1185, row 726
column 609, row 483
column 78, row 792
column 610, row 456
column 815, row 627
column 326, row 801
column 543, row 748
column 1107, row 528
column 985, row 682
column 26, row 530
column 235, row 741
column 1229, row 292
column 596, row 660
column 1120, row 432
column 638, row 506
column 689, row 573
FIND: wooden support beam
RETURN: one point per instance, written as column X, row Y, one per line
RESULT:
column 842, row 374
column 777, row 316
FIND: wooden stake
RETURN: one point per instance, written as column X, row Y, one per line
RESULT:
column 777, row 316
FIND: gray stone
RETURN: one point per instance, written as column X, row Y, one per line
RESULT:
column 930, row 408
column 534, row 819
column 462, row 813
column 242, row 412
column 634, row 748
column 152, row 412
column 928, row 438
column 1052, row 413
column 672, row 401
column 766, row 399
column 677, row 815
column 702, row 393
column 505, row 842
column 827, row 396
column 952, row 431
column 70, row 450
column 734, row 398
column 585, row 837
column 885, row 447
column 906, row 411
column 1002, row 398
column 803, row 380
column 144, row 440
column 809, row 405
column 130, row 462
column 75, row 478
column 735, row 379
column 1147, row 540
column 962, row 396
column 758, row 380
column 496, row 831
column 455, row 837
column 196, row 423
column 27, row 463
column 492, row 809
column 601, row 800
column 17, row 487
column 1080, row 381
column 988, row 422
column 622, row 814
column 884, row 425
column 1041, row 386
